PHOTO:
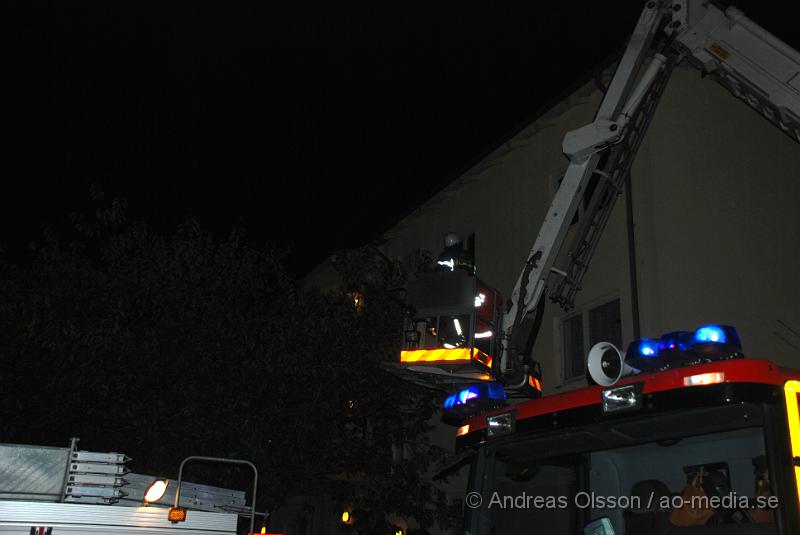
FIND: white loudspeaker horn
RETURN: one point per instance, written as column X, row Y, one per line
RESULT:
column 606, row 364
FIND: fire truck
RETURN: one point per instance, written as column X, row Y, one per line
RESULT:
column 681, row 415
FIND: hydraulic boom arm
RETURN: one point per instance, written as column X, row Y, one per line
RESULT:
column 753, row 64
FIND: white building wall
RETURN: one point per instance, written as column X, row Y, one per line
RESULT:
column 716, row 199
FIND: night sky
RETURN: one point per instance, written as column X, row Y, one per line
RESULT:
column 310, row 128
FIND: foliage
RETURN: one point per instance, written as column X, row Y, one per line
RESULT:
column 387, row 412
column 163, row 347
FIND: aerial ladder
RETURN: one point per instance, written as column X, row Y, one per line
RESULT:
column 753, row 64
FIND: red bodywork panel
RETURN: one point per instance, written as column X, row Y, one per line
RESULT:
column 736, row 371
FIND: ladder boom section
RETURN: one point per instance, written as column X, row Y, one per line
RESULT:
column 611, row 177
column 583, row 147
column 753, row 64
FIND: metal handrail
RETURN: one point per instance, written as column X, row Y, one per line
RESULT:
column 225, row 461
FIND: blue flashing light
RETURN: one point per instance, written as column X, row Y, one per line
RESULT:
column 467, row 394
column 643, row 354
column 488, row 391
column 717, row 334
column 647, row 347
column 710, row 333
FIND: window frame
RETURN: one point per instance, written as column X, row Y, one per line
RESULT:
column 583, row 312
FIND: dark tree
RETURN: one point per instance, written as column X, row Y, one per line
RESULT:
column 162, row 347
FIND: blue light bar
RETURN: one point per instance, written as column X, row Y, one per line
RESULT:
column 682, row 348
column 483, row 391
column 717, row 334
column 676, row 341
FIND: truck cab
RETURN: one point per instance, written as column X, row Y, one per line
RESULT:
column 635, row 457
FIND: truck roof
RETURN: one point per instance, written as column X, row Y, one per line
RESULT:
column 685, row 378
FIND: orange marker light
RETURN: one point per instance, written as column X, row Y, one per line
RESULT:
column 463, row 430
column 176, row 514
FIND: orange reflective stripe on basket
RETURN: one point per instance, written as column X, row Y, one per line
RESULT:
column 435, row 355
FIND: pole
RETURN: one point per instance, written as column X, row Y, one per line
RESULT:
column 632, row 258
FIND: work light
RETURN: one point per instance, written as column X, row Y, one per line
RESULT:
column 156, row 490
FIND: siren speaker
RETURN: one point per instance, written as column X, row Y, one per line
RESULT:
column 606, row 364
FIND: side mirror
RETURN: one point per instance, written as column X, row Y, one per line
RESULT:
column 600, row 526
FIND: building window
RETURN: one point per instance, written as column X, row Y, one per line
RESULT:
column 580, row 331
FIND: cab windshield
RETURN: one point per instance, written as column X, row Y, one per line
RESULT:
column 638, row 473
